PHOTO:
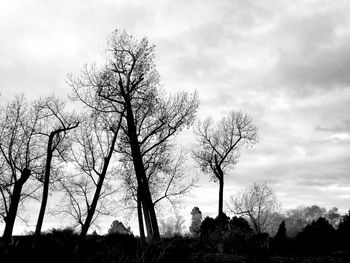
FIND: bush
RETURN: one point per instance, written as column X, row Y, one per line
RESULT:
column 317, row 238
column 343, row 232
column 225, row 235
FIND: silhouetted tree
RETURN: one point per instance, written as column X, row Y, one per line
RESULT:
column 333, row 217
column 258, row 203
column 317, row 238
column 241, row 224
column 279, row 243
column 296, row 219
column 118, row 227
column 208, row 226
column 54, row 123
column 344, row 232
column 217, row 150
column 20, row 157
column 281, row 232
column 236, row 235
column 196, row 221
column 128, row 85
column 225, row 235
column 91, row 152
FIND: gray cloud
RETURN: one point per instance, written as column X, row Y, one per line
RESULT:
column 339, row 126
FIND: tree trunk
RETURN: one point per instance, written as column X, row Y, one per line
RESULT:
column 221, row 195
column 92, row 208
column 220, row 176
column 147, row 204
column 45, row 188
column 14, row 202
column 91, row 211
column 140, row 218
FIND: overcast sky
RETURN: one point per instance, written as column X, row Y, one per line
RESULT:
column 285, row 63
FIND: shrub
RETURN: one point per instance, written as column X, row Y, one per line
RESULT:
column 225, row 235
column 317, row 238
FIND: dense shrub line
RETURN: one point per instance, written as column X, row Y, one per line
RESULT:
column 222, row 239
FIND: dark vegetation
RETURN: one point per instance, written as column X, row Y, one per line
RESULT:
column 127, row 131
column 222, row 239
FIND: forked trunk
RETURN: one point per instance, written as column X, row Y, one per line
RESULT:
column 220, row 176
column 147, row 204
column 14, row 202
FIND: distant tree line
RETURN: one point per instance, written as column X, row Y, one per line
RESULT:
column 236, row 235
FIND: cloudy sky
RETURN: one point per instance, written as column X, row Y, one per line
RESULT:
column 285, row 63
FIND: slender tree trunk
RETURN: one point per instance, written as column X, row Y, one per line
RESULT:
column 92, row 208
column 147, row 204
column 220, row 175
column 45, row 188
column 14, row 202
column 221, row 195
column 85, row 227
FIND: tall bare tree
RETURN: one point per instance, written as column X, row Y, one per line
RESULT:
column 20, row 156
column 258, row 203
column 53, row 125
column 129, row 85
column 219, row 144
column 92, row 153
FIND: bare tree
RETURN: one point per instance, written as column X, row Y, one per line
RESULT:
column 20, row 157
column 218, row 145
column 258, row 203
column 172, row 226
column 54, row 125
column 196, row 221
column 129, row 85
column 92, row 153
column 296, row 219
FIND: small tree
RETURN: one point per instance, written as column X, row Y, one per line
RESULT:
column 172, row 226
column 196, row 221
column 217, row 150
column 257, row 203
column 317, row 238
column 117, row 227
column 281, row 232
column 333, row 217
column 344, row 232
